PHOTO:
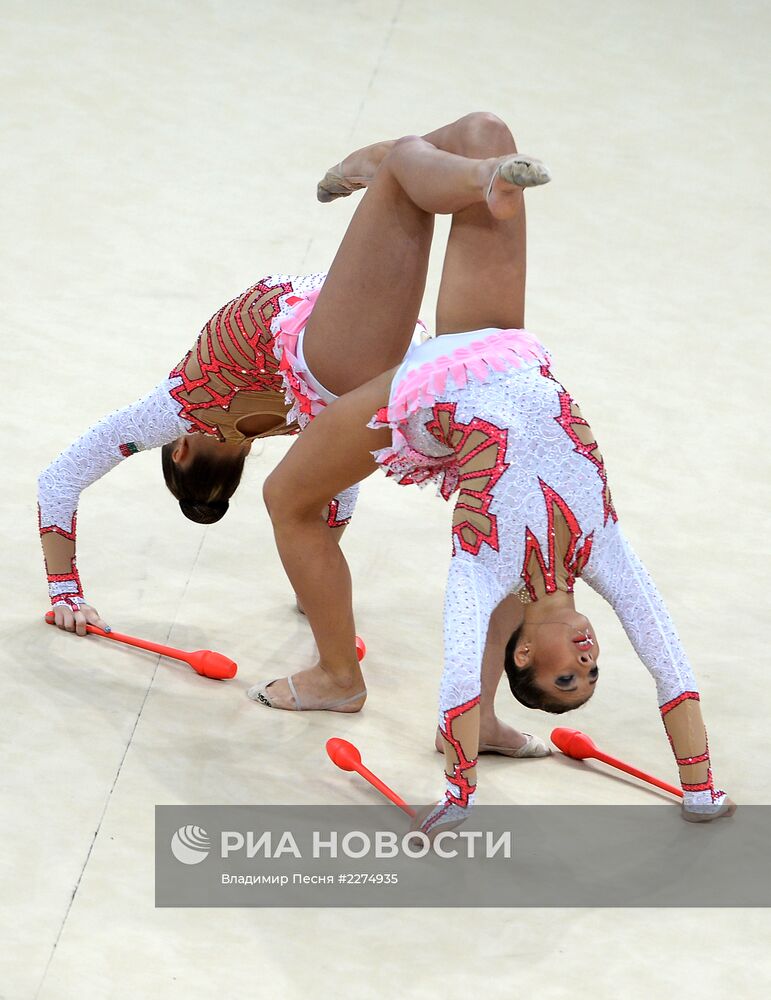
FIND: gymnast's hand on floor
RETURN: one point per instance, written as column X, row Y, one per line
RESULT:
column 437, row 818
column 724, row 810
column 76, row 621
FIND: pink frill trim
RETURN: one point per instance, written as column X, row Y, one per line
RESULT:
column 497, row 352
column 410, row 467
column 304, row 402
column 504, row 350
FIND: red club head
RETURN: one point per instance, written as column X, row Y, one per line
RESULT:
column 573, row 743
column 361, row 649
column 211, row 664
column 343, row 753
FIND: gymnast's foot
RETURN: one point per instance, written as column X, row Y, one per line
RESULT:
column 496, row 737
column 509, row 175
column 312, row 690
column 353, row 173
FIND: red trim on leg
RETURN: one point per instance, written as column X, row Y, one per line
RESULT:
column 458, row 777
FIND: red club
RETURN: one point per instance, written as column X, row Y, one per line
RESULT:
column 348, row 758
column 203, row 661
column 576, row 744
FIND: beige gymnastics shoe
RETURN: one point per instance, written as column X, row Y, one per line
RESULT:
column 524, row 171
column 534, row 747
column 262, row 694
column 335, row 185
column 510, row 176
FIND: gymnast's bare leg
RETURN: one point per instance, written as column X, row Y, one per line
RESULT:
column 380, row 271
column 483, row 278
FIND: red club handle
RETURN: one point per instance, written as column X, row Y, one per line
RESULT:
column 130, row 640
column 573, row 743
column 347, row 757
column 384, row 789
column 635, row 772
column 203, row 661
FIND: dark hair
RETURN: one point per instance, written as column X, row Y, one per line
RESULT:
column 204, row 486
column 523, row 685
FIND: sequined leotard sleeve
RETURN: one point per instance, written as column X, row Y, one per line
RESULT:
column 150, row 422
column 476, row 584
column 617, row 574
column 147, row 423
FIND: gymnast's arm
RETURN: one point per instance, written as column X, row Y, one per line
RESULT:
column 147, row 423
column 474, row 590
column 617, row 574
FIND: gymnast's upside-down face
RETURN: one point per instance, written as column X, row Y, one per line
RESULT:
column 553, row 665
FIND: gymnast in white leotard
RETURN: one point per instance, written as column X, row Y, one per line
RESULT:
column 227, row 391
column 482, row 415
column 487, row 420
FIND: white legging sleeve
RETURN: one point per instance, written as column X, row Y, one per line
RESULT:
column 472, row 595
column 617, row 574
column 148, row 423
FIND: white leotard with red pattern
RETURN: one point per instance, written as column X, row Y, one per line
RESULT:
column 499, row 384
column 161, row 416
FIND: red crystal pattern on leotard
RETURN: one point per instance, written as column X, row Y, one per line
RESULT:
column 687, row 761
column 573, row 559
column 55, row 527
column 456, row 434
column 685, row 696
column 71, row 595
column 225, row 351
column 702, row 786
column 458, row 779
column 332, row 518
column 568, row 421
